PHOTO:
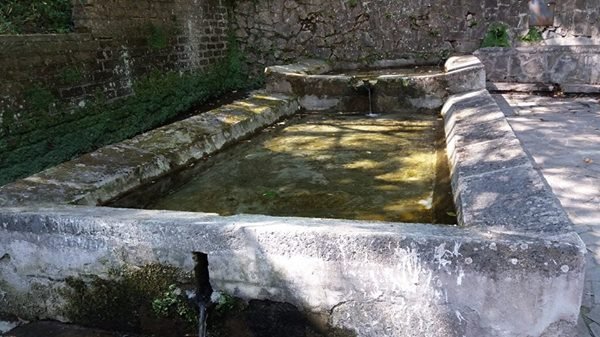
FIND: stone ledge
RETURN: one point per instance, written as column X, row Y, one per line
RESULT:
column 97, row 177
column 391, row 93
column 493, row 180
column 464, row 277
column 305, row 67
column 544, row 87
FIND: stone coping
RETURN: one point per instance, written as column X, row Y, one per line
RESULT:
column 363, row 275
column 391, row 93
column 104, row 174
column 316, row 69
column 493, row 179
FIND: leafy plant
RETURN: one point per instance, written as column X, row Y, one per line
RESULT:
column 496, row 36
column 173, row 303
column 35, row 16
column 533, row 35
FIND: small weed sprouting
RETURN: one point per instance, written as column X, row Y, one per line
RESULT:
column 496, row 36
column 532, row 36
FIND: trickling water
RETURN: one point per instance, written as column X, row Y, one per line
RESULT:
column 367, row 84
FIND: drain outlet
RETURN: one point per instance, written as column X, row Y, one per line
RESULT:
column 203, row 290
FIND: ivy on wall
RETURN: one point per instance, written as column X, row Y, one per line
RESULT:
column 35, row 16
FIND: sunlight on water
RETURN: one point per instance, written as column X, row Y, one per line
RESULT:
column 333, row 166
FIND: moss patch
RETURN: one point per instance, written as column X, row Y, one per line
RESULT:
column 126, row 301
column 19, row 16
column 46, row 132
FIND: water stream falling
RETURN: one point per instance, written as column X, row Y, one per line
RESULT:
column 369, row 85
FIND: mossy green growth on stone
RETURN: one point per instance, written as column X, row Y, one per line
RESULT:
column 158, row 37
column 71, row 75
column 496, row 36
column 46, row 132
column 125, row 300
column 19, row 16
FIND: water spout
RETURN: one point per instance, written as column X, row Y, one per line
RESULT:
column 369, row 85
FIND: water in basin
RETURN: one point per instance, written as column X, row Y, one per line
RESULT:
column 332, row 166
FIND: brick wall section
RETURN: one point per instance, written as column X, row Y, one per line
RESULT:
column 196, row 29
column 116, row 50
column 116, row 42
column 66, row 64
column 279, row 31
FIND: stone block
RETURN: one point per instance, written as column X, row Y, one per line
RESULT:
column 372, row 278
column 514, row 199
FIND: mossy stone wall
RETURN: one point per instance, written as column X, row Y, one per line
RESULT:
column 131, row 65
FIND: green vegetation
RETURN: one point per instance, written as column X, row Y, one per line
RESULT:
column 38, row 139
column 173, row 303
column 40, row 99
column 352, row 3
column 157, row 37
column 71, row 75
column 533, row 35
column 35, row 16
column 126, row 299
column 496, row 36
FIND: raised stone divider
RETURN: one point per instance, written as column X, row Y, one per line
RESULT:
column 105, row 174
column 377, row 279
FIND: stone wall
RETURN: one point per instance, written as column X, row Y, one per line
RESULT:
column 124, row 39
column 47, row 76
column 194, row 32
column 563, row 65
column 280, row 31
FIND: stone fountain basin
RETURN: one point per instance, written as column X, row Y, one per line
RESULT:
column 513, row 267
column 317, row 89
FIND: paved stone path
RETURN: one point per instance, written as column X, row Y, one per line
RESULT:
column 563, row 137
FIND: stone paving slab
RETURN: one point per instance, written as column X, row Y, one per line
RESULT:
column 562, row 135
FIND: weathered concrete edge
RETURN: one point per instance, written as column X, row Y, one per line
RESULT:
column 321, row 265
column 543, row 87
column 317, row 91
column 473, row 121
column 112, row 170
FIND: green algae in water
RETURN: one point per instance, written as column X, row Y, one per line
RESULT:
column 330, row 166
